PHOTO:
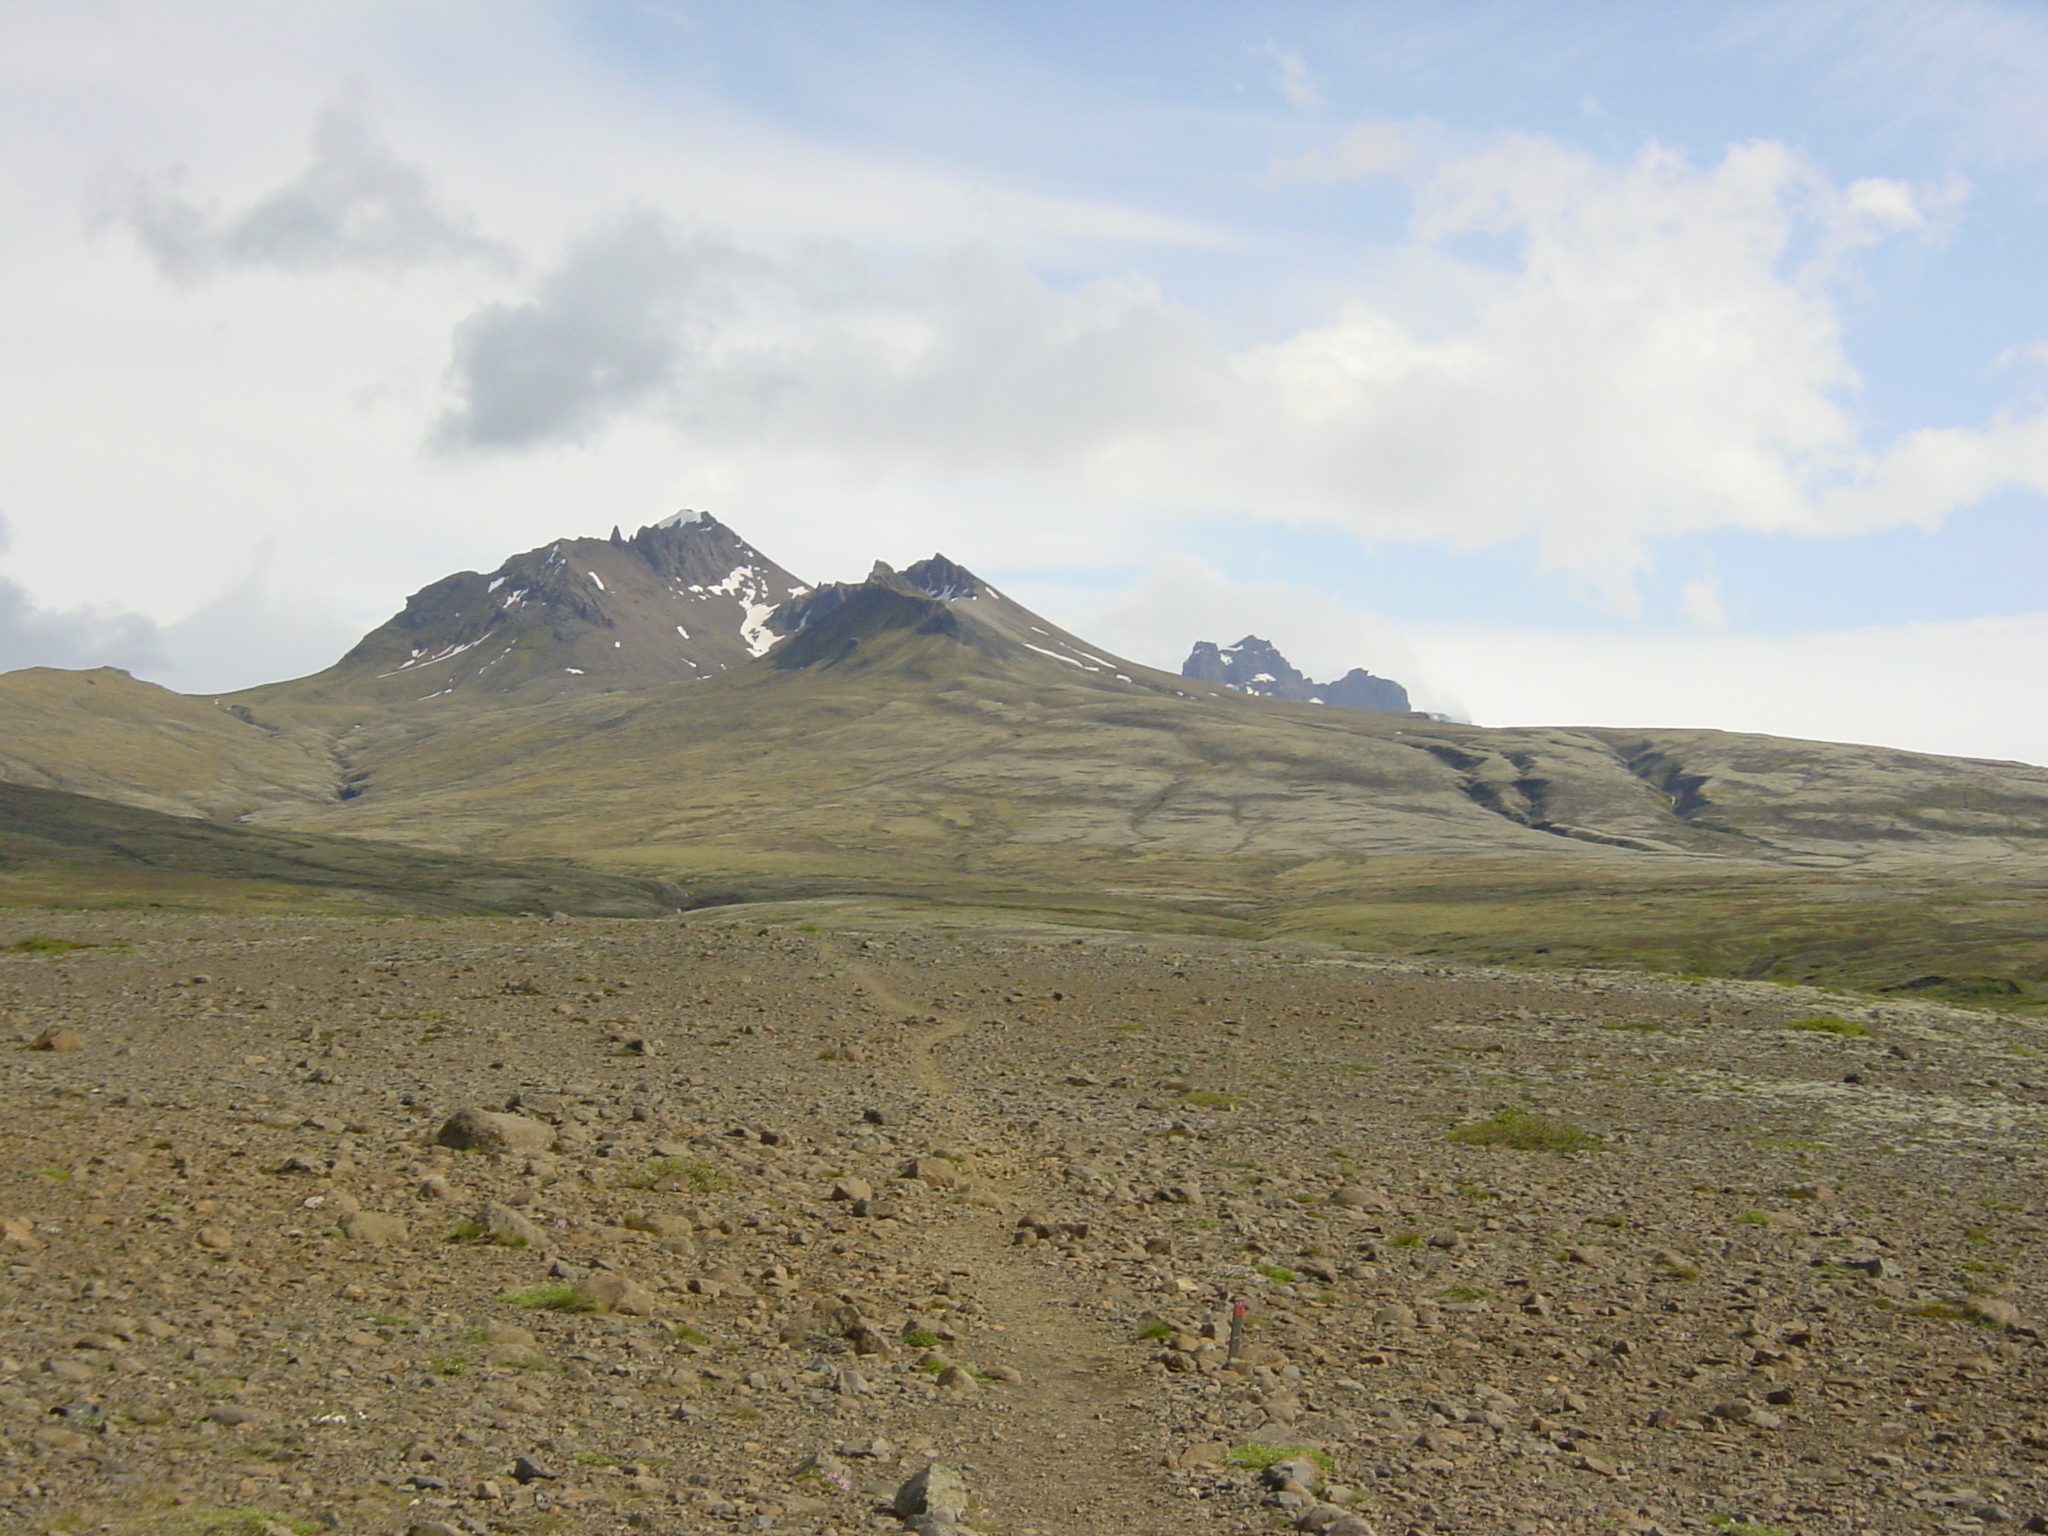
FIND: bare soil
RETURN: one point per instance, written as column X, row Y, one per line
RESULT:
column 1793, row 1285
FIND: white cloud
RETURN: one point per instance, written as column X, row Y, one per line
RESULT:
column 1291, row 77
column 32, row 635
column 356, row 204
column 1961, row 687
column 1654, row 351
column 1700, row 600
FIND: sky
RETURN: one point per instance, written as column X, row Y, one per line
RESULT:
column 1572, row 363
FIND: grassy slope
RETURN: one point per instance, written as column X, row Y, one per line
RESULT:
column 58, row 849
column 951, row 767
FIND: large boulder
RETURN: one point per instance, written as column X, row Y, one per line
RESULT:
column 483, row 1130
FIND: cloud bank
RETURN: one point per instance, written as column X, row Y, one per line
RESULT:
column 355, row 205
column 1595, row 355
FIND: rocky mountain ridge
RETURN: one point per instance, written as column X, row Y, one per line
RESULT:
column 1256, row 667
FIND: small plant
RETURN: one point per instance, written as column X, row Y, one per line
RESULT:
column 1205, row 1098
column 700, row 1178
column 915, row 1337
column 1524, row 1130
column 42, row 944
column 1258, row 1457
column 553, row 1297
column 1753, row 1219
column 1735, row 1527
column 593, row 1459
column 448, row 1365
column 1405, row 1240
column 1279, row 1274
column 1829, row 1024
column 1154, row 1329
column 1947, row 1311
column 1475, row 1192
column 59, row 1174
column 1464, row 1291
column 685, row 1334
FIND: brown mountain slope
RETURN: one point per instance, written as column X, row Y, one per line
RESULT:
column 101, row 732
column 920, row 735
column 683, row 600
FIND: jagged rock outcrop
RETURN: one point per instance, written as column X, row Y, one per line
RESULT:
column 1256, row 666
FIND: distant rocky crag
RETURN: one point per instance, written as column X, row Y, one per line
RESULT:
column 1256, row 666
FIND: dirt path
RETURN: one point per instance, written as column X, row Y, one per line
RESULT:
column 1071, row 1449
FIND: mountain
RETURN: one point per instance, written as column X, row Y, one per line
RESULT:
column 1256, row 666
column 920, row 737
column 682, row 600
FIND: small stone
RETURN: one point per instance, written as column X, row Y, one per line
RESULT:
column 482, row 1130
column 232, row 1414
column 956, row 1378
column 1209, row 1453
column 502, row 1225
column 431, row 1528
column 215, row 1238
column 373, row 1227
column 17, row 1233
column 852, row 1189
column 527, row 1470
column 617, row 1293
column 1994, row 1309
column 934, row 1489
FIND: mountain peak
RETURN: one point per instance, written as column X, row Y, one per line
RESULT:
column 685, row 598
column 1256, row 666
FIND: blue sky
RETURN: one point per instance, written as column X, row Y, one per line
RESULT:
column 1577, row 363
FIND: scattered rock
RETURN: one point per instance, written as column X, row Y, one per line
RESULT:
column 499, row 1134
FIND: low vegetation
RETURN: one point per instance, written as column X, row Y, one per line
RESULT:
column 1524, row 1130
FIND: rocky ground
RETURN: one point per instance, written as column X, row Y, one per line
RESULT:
column 783, row 1216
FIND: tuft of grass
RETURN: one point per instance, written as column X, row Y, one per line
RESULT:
column 1405, row 1240
column 700, row 1178
column 448, row 1365
column 1753, row 1219
column 1206, row 1098
column 552, row 1297
column 916, row 1337
column 42, row 944
column 1947, row 1311
column 1464, row 1291
column 593, row 1459
column 1279, row 1274
column 1154, row 1329
column 1829, row 1024
column 685, row 1334
column 1524, row 1130
column 1258, row 1457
